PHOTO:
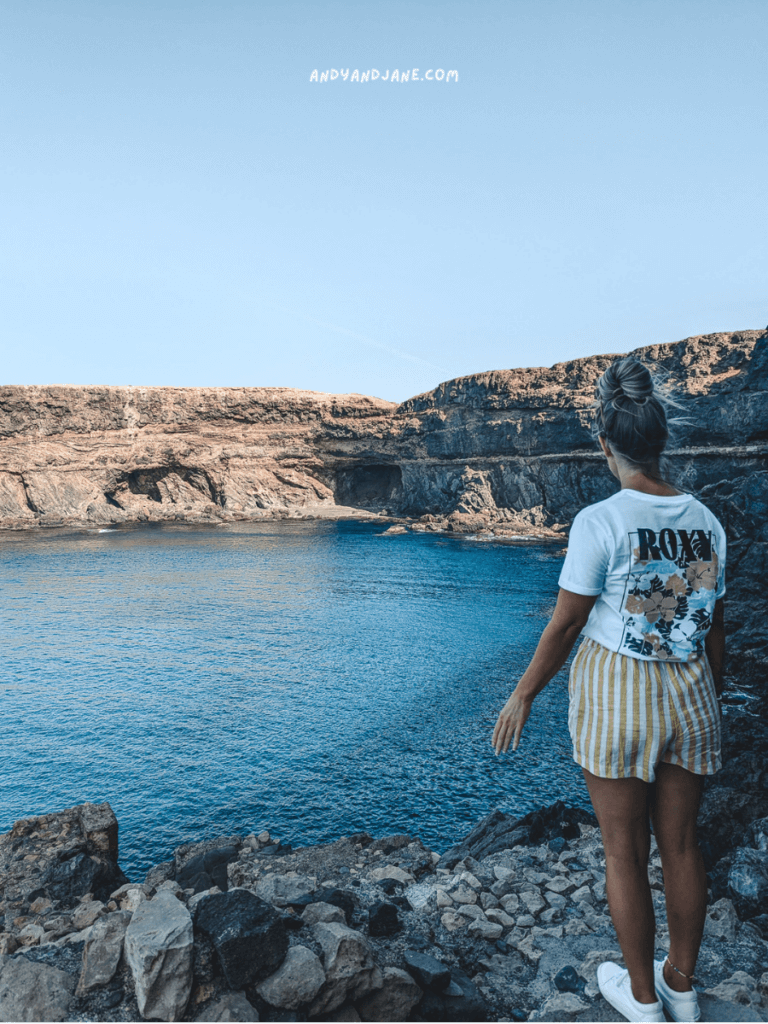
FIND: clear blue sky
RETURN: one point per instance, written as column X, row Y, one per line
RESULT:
column 182, row 205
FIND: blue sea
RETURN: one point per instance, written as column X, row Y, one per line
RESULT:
column 313, row 678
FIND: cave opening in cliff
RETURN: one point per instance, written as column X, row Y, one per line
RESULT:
column 146, row 481
column 375, row 487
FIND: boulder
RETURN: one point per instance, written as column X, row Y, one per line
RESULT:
column 297, row 980
column 102, row 951
column 452, row 921
column 325, row 912
column 31, row 991
column 282, row 891
column 460, row 1001
column 199, row 866
column 388, row 871
column 467, row 522
column 159, row 951
column 248, row 935
column 395, row 999
column 350, row 970
column 487, row 930
column 420, row 895
column 160, row 873
column 30, row 935
column 129, row 896
column 741, row 988
column 748, row 876
column 721, row 921
column 462, row 893
column 383, row 919
column 66, row 854
column 561, row 1007
column 232, row 1006
column 427, row 970
column 86, row 913
column 713, row 1008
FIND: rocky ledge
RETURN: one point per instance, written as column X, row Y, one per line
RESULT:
column 510, row 924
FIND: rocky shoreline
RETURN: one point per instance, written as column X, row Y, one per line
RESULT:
column 510, row 924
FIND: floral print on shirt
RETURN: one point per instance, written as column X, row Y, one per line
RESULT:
column 670, row 594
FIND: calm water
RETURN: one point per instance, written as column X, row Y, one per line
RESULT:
column 313, row 678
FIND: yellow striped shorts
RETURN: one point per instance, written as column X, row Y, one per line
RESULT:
column 627, row 715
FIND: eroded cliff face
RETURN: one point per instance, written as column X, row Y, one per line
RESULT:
column 118, row 454
column 476, row 453
column 503, row 440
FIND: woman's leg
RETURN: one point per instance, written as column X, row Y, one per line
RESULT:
column 622, row 807
column 674, row 809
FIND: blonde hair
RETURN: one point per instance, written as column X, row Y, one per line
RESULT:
column 631, row 412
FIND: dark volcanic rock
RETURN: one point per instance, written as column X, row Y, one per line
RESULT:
column 341, row 898
column 748, row 878
column 500, row 831
column 205, row 870
column 248, row 935
column 461, row 1002
column 427, row 970
column 62, row 856
column 383, row 919
column 568, row 980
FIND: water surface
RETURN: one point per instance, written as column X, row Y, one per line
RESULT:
column 312, row 678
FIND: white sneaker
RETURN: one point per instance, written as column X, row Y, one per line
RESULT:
column 613, row 982
column 679, row 1005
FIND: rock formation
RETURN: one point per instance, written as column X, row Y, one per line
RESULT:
column 510, row 924
column 488, row 444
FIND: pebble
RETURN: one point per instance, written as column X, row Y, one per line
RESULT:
column 485, row 929
column 452, row 921
column 471, row 910
column 533, row 902
column 554, row 899
column 511, row 903
column 463, row 894
column 561, row 885
column 500, row 917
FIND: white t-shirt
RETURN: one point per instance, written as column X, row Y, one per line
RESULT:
column 658, row 565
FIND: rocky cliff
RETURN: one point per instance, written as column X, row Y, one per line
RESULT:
column 496, row 442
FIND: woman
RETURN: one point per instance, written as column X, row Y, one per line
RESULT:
column 643, row 581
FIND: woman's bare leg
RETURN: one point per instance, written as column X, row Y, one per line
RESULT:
column 622, row 808
column 674, row 809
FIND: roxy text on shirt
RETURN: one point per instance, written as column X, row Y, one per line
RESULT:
column 693, row 544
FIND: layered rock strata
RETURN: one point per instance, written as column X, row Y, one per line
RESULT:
column 511, row 924
column 490, row 443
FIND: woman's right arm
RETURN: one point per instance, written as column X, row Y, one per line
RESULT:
column 714, row 645
column 557, row 640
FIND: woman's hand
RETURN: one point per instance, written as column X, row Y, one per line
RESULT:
column 560, row 634
column 510, row 723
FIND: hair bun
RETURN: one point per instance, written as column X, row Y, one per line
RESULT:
column 625, row 378
column 630, row 412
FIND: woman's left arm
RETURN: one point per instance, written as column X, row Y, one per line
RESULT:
column 557, row 640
